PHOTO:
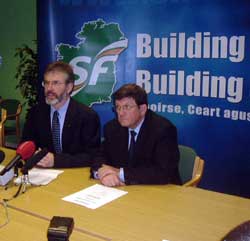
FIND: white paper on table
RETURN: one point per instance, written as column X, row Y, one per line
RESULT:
column 40, row 176
column 95, row 196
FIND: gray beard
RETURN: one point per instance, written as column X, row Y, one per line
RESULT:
column 52, row 102
column 55, row 101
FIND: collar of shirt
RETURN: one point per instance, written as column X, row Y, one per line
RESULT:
column 62, row 111
column 137, row 130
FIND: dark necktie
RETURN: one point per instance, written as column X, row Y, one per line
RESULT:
column 56, row 132
column 132, row 145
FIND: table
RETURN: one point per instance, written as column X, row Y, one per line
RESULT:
column 25, row 227
column 146, row 213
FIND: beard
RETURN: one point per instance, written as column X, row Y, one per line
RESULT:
column 56, row 100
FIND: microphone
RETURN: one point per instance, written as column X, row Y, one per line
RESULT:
column 31, row 162
column 2, row 156
column 24, row 151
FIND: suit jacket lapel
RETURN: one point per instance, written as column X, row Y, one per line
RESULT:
column 67, row 127
column 47, row 126
column 124, row 143
column 143, row 136
column 122, row 138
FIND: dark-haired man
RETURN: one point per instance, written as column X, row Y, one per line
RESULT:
column 140, row 147
column 68, row 129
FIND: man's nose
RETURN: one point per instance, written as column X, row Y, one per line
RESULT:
column 121, row 112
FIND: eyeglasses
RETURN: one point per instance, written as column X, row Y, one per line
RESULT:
column 118, row 108
column 54, row 83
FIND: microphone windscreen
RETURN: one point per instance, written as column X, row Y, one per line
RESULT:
column 26, row 149
column 2, row 156
column 31, row 162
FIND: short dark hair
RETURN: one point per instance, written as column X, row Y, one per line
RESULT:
column 61, row 67
column 133, row 91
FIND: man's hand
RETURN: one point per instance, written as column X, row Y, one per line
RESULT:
column 111, row 180
column 47, row 161
column 106, row 170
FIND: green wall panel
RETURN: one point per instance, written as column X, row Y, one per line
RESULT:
column 18, row 25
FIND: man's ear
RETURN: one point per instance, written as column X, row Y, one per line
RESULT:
column 143, row 109
column 70, row 87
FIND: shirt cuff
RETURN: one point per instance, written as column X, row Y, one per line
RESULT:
column 121, row 175
column 95, row 174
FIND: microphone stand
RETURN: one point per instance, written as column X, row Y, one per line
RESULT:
column 16, row 170
column 24, row 180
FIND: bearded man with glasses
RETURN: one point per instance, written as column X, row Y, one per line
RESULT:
column 139, row 147
column 68, row 129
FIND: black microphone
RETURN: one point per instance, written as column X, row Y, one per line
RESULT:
column 24, row 151
column 31, row 162
column 2, row 156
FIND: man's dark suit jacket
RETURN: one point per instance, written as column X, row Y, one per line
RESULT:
column 80, row 135
column 156, row 151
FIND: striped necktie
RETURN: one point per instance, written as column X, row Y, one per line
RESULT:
column 56, row 132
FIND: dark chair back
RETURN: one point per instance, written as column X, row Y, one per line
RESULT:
column 239, row 233
column 11, row 106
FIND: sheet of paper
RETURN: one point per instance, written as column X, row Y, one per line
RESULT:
column 95, row 196
column 40, row 176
